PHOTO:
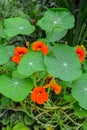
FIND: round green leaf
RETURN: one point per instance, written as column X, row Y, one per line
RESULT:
column 20, row 126
column 31, row 62
column 63, row 63
column 4, row 56
column 79, row 90
column 17, row 25
column 28, row 120
column 59, row 18
column 15, row 89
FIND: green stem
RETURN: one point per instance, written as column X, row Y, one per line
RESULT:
column 34, row 79
column 70, row 118
column 25, row 110
column 24, row 38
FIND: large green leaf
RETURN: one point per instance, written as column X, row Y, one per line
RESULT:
column 4, row 56
column 79, row 90
column 63, row 63
column 59, row 18
column 17, row 25
column 15, row 89
column 31, row 62
column 56, row 22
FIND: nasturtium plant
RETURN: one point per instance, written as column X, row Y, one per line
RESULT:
column 41, row 71
column 63, row 63
column 4, row 56
column 31, row 63
column 15, row 89
column 17, row 25
column 79, row 90
column 60, row 20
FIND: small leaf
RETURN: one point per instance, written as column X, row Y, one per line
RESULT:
column 20, row 126
column 30, row 63
column 5, row 121
column 68, row 97
column 79, row 90
column 80, row 112
column 17, row 25
column 15, row 117
column 28, row 121
column 5, row 101
column 15, row 89
column 7, row 128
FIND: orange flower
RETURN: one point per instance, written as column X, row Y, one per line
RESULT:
column 39, row 95
column 80, row 51
column 27, row 44
column 18, row 54
column 16, row 59
column 40, row 46
column 56, row 87
column 20, row 51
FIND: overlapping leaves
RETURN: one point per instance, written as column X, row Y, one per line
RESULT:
column 56, row 22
